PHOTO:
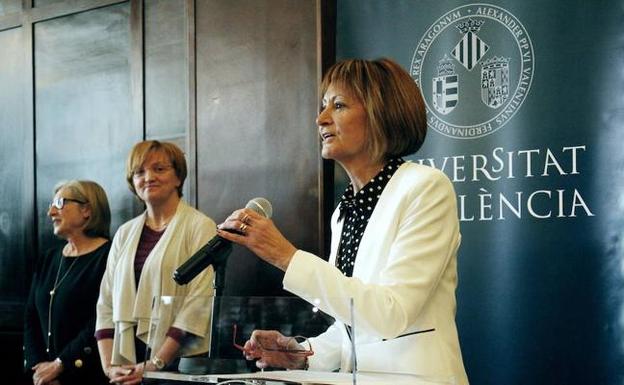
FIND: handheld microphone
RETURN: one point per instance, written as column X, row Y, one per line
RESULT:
column 217, row 250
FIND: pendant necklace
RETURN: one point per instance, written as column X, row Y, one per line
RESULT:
column 56, row 285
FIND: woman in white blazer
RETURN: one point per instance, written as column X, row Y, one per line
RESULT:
column 144, row 254
column 395, row 237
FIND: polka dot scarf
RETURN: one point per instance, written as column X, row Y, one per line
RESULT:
column 356, row 210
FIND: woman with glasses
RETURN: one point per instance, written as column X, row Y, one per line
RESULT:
column 59, row 347
column 144, row 254
column 395, row 238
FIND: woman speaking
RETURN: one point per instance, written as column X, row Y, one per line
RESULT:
column 395, row 237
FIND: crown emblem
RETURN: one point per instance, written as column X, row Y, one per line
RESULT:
column 495, row 62
column 470, row 26
column 446, row 67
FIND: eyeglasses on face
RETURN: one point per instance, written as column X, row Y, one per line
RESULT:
column 292, row 346
column 59, row 202
column 157, row 169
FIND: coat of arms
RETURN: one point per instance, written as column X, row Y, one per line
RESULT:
column 445, row 87
column 470, row 48
column 495, row 81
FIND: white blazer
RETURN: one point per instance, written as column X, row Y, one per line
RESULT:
column 404, row 280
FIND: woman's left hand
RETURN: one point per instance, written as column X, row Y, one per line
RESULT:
column 270, row 349
column 258, row 234
column 126, row 374
column 46, row 372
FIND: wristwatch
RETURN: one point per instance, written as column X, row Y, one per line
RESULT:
column 158, row 363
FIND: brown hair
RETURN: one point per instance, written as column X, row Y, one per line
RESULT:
column 397, row 122
column 98, row 224
column 139, row 153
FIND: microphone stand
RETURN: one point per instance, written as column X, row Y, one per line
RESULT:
column 219, row 283
column 211, row 364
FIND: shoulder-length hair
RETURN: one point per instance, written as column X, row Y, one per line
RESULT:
column 98, row 224
column 397, row 122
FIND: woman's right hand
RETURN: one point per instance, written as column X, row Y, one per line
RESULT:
column 260, row 235
column 263, row 346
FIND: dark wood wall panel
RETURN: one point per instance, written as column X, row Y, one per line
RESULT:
column 10, row 6
column 256, row 136
column 17, row 248
column 15, row 191
column 83, row 107
column 167, row 76
column 43, row 3
column 231, row 82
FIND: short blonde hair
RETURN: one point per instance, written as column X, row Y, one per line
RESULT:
column 139, row 153
column 98, row 224
column 397, row 121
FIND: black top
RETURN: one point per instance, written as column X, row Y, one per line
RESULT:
column 356, row 209
column 72, row 314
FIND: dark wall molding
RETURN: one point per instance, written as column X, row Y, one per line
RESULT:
column 10, row 21
column 31, row 14
column 326, row 55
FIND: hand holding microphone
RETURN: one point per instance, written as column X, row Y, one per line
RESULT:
column 258, row 233
column 219, row 247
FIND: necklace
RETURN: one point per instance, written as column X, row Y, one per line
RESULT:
column 157, row 228
column 56, row 285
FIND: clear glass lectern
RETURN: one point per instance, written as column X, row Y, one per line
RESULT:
column 212, row 332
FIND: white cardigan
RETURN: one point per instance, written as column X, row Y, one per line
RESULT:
column 121, row 305
column 404, row 280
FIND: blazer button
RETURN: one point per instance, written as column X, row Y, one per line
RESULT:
column 78, row 363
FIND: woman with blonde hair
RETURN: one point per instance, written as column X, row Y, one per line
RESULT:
column 59, row 346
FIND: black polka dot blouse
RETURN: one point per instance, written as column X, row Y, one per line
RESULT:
column 356, row 210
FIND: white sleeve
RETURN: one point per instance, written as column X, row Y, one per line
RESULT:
column 427, row 239
column 327, row 349
column 104, row 306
